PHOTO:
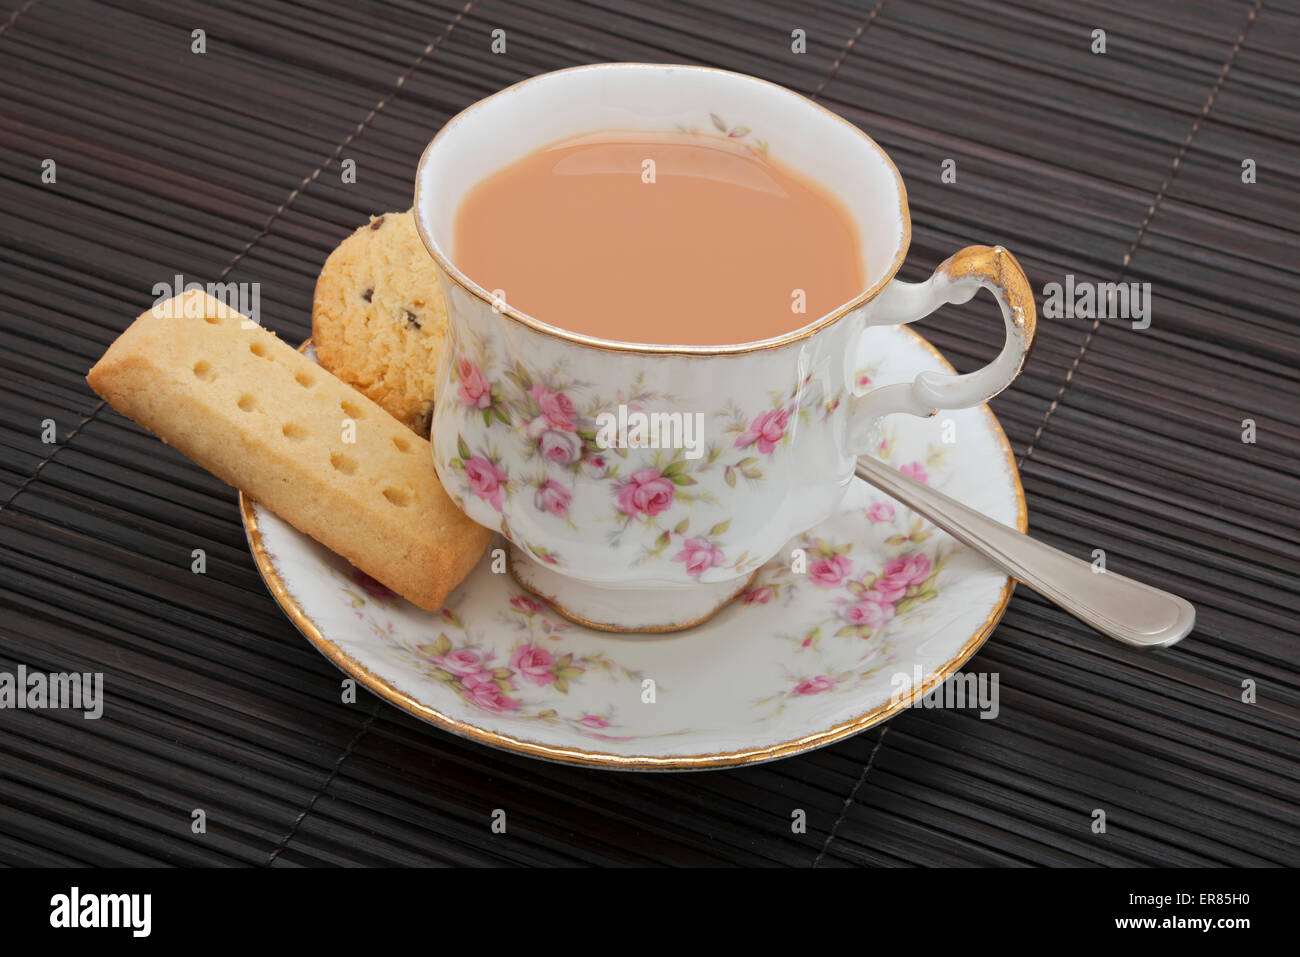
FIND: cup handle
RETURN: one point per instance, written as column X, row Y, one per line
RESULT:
column 955, row 281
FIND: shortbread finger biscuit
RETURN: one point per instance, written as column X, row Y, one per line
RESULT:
column 378, row 319
column 263, row 417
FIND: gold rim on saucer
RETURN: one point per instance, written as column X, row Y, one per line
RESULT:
column 603, row 759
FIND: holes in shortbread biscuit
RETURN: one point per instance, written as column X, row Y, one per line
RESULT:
column 257, row 349
column 294, row 432
column 402, row 444
column 398, row 496
column 305, row 379
column 344, row 463
column 203, row 370
column 350, row 409
column 247, row 402
column 212, row 320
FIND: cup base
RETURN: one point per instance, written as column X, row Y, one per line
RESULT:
column 663, row 608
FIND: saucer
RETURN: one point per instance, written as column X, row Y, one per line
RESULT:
column 840, row 631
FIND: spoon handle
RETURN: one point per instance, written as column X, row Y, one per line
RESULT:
column 1127, row 611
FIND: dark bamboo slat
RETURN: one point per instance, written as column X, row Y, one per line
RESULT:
column 1118, row 167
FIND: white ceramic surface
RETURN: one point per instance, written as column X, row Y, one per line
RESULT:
column 514, row 433
column 800, row 660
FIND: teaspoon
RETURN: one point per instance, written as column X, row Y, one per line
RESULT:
column 1126, row 610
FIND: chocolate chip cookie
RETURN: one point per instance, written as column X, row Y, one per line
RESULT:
column 378, row 319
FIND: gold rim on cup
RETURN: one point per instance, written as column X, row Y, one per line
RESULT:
column 612, row 345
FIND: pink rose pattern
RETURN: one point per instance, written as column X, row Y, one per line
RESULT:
column 875, row 600
column 829, row 572
column 767, row 429
column 559, row 447
column 879, row 512
column 554, row 498
column 498, row 687
column 545, row 414
column 915, row 470
column 564, row 441
column 487, row 692
column 815, row 685
column 873, row 610
column 700, row 555
column 474, row 389
column 529, row 606
column 872, row 602
column 862, row 604
column 646, row 492
column 486, row 481
column 556, row 407
column 908, row 569
column 534, row 664
column 460, row 663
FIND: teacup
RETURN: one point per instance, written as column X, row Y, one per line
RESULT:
column 624, row 537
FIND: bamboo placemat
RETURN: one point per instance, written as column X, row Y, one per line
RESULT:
column 1122, row 166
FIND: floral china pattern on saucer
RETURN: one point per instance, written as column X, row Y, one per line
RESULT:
column 817, row 648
